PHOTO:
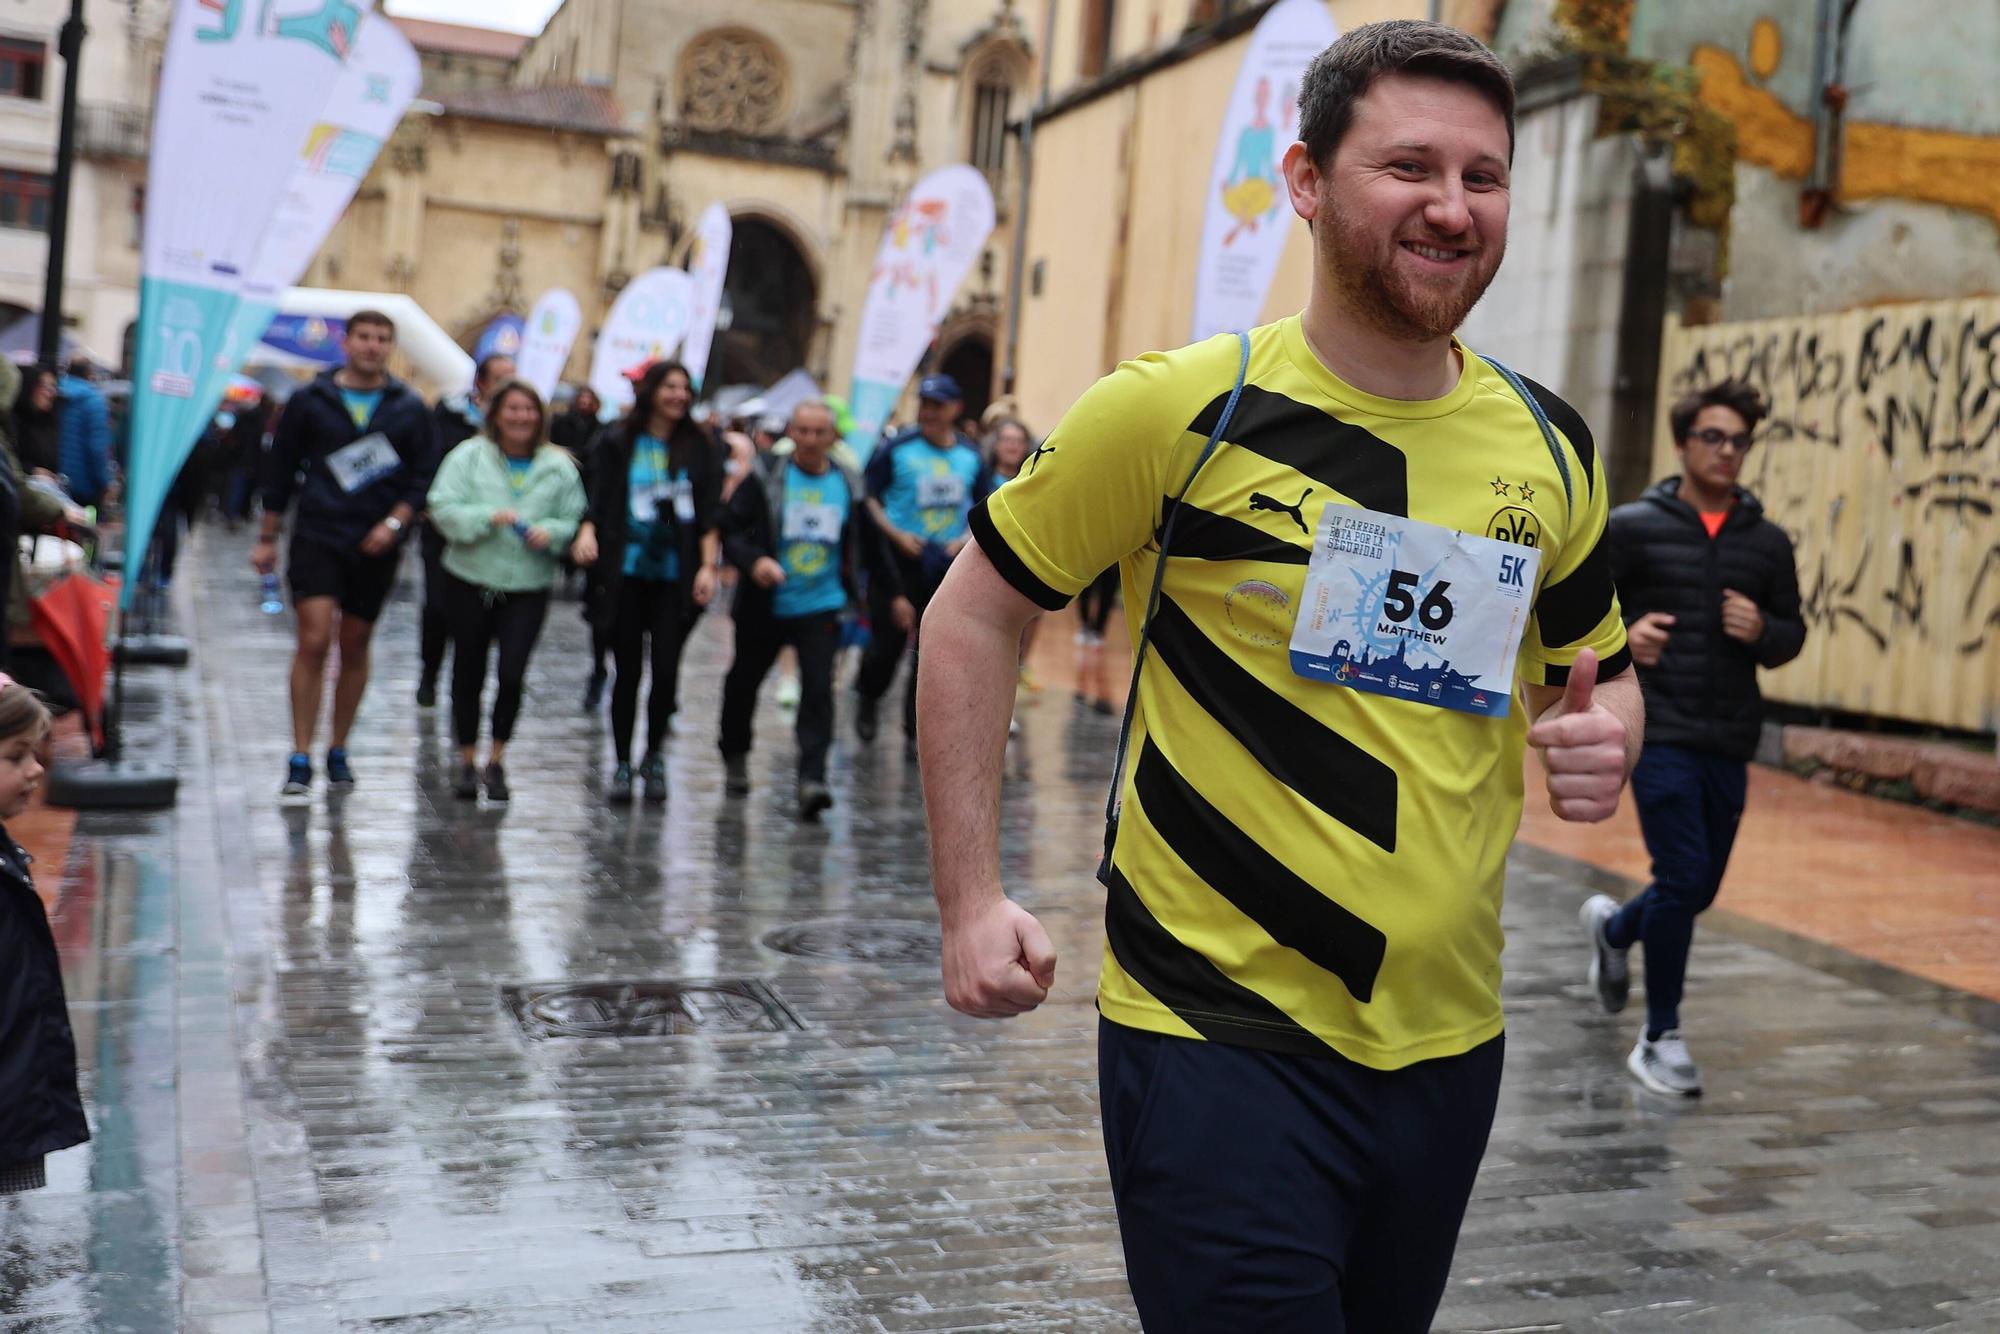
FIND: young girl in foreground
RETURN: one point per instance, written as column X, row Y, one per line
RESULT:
column 40, row 1110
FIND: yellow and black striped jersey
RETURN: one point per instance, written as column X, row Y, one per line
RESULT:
column 1299, row 865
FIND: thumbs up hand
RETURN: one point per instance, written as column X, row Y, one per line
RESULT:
column 1583, row 748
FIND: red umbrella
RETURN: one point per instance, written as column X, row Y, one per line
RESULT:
column 71, row 615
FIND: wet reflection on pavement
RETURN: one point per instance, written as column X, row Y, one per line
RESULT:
column 408, row 1158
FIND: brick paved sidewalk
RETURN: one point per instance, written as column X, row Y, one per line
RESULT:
column 330, row 1119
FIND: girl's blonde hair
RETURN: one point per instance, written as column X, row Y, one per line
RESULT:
column 22, row 711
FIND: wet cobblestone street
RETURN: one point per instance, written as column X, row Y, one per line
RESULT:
column 317, row 1108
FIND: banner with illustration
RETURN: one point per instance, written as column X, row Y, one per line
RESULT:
column 927, row 249
column 1248, row 215
column 241, row 87
column 546, row 340
column 708, row 267
column 647, row 322
column 500, row 338
column 309, row 337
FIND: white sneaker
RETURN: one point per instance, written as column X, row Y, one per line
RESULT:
column 788, row 693
column 1610, row 970
column 1665, row 1066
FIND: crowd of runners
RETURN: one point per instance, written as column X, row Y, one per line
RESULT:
column 653, row 517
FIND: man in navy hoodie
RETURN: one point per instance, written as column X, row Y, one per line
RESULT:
column 358, row 448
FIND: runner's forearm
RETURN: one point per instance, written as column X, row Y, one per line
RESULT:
column 965, row 695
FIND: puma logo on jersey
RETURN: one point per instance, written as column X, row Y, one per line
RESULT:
column 1034, row 460
column 1260, row 501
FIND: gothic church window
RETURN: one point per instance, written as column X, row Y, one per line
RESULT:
column 732, row 80
column 992, row 89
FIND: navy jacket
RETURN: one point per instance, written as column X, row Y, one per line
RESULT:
column 315, row 424
column 40, row 1109
column 607, row 479
column 1703, row 693
column 754, row 515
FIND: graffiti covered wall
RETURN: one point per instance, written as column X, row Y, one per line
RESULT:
column 1882, row 460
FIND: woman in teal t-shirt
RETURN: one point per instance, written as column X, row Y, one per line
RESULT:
column 507, row 503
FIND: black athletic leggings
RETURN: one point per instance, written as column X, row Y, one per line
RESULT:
column 647, row 609
column 479, row 617
column 1094, row 605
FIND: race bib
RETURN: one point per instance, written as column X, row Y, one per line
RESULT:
column 941, row 492
column 676, row 497
column 812, row 523
column 1414, row 611
column 368, row 459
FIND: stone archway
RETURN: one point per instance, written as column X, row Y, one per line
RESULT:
column 769, row 307
column 969, row 360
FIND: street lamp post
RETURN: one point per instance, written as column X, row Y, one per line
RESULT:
column 70, row 44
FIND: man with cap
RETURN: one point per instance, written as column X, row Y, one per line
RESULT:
column 922, row 482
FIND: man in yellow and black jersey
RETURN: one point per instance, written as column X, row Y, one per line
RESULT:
column 1386, row 580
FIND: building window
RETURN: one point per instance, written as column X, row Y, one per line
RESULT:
column 991, row 92
column 24, row 200
column 21, row 67
column 1099, row 18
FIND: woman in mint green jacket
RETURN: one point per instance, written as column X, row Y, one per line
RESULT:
column 508, row 503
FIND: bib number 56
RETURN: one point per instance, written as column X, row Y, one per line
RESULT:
column 1400, row 602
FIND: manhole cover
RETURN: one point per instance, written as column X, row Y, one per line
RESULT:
column 857, row 940
column 647, row 1009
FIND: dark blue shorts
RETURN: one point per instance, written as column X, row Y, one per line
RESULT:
column 1274, row 1193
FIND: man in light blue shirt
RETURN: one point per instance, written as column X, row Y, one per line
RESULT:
column 922, row 483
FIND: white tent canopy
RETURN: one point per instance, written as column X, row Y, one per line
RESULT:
column 428, row 347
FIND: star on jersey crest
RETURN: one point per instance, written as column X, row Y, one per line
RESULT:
column 1500, row 488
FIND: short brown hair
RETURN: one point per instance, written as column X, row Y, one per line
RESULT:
column 489, row 426
column 1343, row 73
column 371, row 316
column 1736, row 395
column 22, row 711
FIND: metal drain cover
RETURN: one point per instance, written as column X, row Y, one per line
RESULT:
column 857, row 940
column 647, row 1009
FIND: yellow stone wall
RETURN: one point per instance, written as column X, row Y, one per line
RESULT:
column 437, row 232
column 1117, row 212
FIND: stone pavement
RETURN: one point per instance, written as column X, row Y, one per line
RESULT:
column 318, row 1107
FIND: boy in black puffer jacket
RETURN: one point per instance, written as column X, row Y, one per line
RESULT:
column 1710, row 594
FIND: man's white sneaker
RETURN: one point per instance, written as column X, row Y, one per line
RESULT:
column 1610, row 969
column 1665, row 1066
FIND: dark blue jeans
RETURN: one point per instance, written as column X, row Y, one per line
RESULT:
column 1288, row 1194
column 1690, row 803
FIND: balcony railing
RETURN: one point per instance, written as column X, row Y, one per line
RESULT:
column 112, row 130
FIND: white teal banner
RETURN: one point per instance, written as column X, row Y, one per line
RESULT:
column 378, row 81
column 546, row 340
column 647, row 322
column 708, row 268
column 1248, row 213
column 927, row 249
column 241, row 86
